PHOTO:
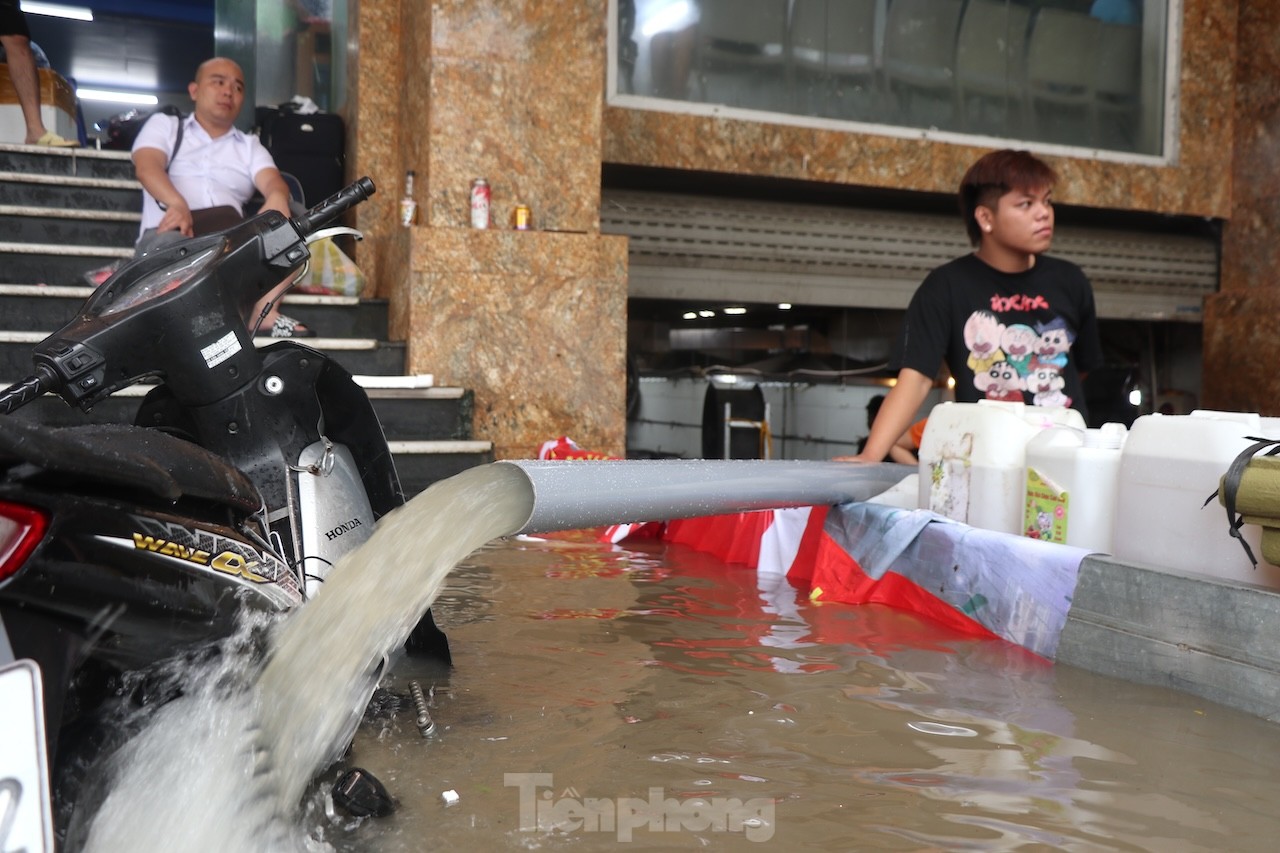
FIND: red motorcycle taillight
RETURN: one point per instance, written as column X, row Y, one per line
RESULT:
column 21, row 528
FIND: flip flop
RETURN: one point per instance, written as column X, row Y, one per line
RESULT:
column 53, row 140
column 286, row 327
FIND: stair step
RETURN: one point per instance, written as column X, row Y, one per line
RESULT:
column 17, row 188
column 66, row 162
column 62, row 249
column 38, row 306
column 422, row 420
column 417, row 471
column 55, row 265
column 437, row 448
column 403, row 415
column 70, row 181
column 66, row 227
column 71, row 213
column 356, row 355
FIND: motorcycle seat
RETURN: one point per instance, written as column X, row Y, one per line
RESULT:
column 132, row 457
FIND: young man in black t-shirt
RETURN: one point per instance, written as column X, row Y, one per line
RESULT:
column 1009, row 322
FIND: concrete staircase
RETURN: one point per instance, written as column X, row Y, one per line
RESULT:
column 64, row 212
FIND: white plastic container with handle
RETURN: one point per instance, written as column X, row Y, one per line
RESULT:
column 1072, row 484
column 972, row 457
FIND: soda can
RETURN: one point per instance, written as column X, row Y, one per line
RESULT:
column 480, row 196
column 522, row 218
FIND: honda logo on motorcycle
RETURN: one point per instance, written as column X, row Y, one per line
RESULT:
column 344, row 527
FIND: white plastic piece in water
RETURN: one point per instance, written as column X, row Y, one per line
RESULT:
column 450, row 797
column 943, row 729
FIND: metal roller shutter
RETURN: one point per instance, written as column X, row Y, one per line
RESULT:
column 705, row 248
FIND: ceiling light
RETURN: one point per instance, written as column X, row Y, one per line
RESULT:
column 116, row 97
column 735, row 310
column 691, row 315
column 784, row 306
column 705, row 313
column 668, row 17
column 57, row 10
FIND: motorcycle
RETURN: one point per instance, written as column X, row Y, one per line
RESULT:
column 247, row 474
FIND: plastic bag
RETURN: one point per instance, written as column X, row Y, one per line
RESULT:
column 331, row 271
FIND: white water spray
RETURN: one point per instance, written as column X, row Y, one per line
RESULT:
column 229, row 773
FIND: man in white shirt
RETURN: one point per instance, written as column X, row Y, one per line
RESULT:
column 215, row 165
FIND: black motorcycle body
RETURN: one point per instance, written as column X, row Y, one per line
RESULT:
column 247, row 473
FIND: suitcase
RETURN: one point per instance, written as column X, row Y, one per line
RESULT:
column 309, row 147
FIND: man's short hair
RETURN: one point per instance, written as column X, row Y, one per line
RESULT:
column 995, row 174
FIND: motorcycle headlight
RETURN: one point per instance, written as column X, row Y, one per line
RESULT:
column 158, row 282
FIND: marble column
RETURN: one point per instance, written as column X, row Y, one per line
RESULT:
column 534, row 322
column 1242, row 321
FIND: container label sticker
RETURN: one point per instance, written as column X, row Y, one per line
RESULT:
column 221, row 349
column 1048, row 508
column 949, row 492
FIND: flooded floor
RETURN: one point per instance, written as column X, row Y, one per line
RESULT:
column 649, row 695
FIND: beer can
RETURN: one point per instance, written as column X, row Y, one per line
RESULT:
column 522, row 218
column 480, row 196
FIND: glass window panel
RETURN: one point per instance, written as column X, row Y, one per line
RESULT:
column 1081, row 73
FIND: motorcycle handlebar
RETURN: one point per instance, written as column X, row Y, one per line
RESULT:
column 19, row 394
column 334, row 205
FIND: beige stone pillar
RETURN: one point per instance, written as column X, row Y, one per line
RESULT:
column 1242, row 322
column 534, row 322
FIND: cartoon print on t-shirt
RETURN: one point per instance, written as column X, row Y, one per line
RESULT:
column 1055, row 341
column 1000, row 381
column 1045, row 382
column 1008, row 360
column 1018, row 343
column 982, row 333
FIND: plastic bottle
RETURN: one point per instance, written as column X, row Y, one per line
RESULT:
column 408, row 204
column 973, row 456
column 1072, row 482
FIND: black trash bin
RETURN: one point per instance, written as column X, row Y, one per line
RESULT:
column 744, row 404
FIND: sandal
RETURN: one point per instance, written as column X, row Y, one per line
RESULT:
column 53, row 140
column 286, row 327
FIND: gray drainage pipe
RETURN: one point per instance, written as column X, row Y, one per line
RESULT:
column 573, row 494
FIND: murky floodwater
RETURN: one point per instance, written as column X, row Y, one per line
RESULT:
column 649, row 693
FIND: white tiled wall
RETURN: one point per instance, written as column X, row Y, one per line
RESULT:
column 807, row 421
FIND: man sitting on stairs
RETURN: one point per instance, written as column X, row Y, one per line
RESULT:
column 198, row 172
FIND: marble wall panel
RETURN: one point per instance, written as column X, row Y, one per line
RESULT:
column 516, row 98
column 373, row 130
column 534, row 322
column 1241, row 347
column 1242, row 322
column 1251, row 250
